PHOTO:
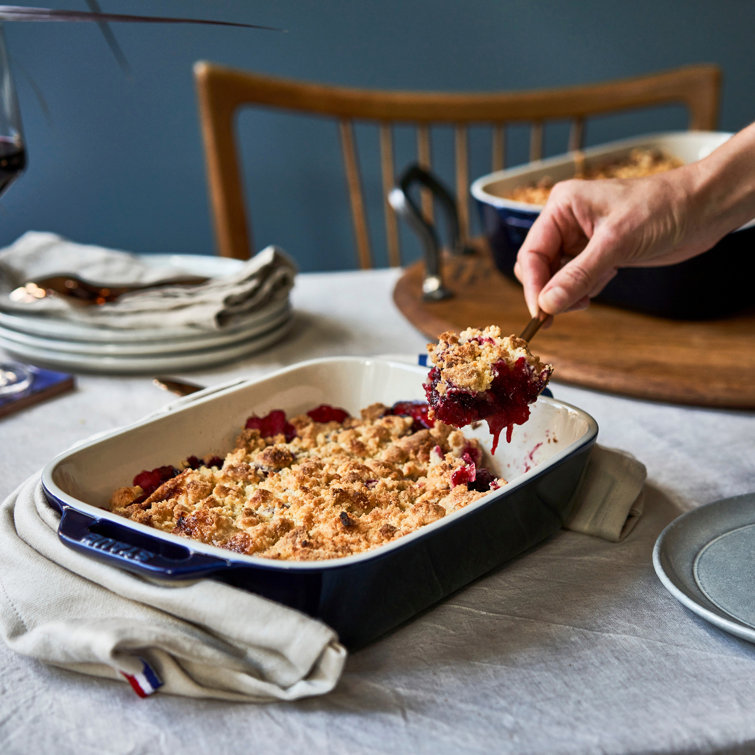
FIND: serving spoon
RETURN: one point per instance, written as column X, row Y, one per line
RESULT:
column 87, row 293
column 176, row 385
column 534, row 325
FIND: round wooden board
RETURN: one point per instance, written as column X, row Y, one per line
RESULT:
column 708, row 363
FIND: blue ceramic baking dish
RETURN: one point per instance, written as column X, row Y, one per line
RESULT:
column 361, row 596
column 715, row 284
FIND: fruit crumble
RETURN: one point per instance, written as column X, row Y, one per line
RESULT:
column 638, row 163
column 319, row 485
column 480, row 375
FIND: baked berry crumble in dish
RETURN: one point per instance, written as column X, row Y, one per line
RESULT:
column 481, row 375
column 319, row 485
column 372, row 416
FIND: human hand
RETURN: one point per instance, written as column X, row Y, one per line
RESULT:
column 589, row 229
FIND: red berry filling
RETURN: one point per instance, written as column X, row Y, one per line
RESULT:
column 484, row 480
column 194, row 462
column 327, row 413
column 472, row 475
column 149, row 480
column 417, row 410
column 272, row 424
column 503, row 405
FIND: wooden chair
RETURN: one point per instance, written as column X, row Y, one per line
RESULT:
column 223, row 91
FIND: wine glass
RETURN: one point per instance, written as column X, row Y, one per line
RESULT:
column 14, row 377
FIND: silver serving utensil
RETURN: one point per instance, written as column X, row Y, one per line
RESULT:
column 87, row 293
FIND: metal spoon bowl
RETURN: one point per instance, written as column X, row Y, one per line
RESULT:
column 76, row 289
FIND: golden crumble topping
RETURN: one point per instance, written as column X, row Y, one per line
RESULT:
column 638, row 163
column 334, row 488
column 469, row 360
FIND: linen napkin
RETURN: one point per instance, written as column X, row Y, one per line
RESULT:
column 196, row 639
column 264, row 279
column 608, row 502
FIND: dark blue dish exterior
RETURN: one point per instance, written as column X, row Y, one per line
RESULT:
column 715, row 284
column 371, row 595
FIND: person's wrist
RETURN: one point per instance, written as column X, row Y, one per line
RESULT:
column 722, row 187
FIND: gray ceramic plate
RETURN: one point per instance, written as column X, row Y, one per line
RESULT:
column 706, row 560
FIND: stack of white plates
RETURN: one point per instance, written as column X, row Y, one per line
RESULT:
column 92, row 348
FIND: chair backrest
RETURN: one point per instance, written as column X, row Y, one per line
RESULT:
column 223, row 91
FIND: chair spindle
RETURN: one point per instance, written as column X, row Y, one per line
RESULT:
column 356, row 197
column 387, row 168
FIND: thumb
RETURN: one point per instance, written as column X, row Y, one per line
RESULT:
column 584, row 276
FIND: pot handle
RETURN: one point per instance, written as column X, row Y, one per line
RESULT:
column 131, row 550
column 402, row 202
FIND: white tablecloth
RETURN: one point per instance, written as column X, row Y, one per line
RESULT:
column 575, row 647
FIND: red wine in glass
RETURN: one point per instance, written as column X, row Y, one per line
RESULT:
column 12, row 161
column 15, row 378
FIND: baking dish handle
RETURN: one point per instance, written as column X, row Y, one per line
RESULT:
column 401, row 200
column 131, row 550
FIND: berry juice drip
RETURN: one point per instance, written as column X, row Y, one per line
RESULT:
column 12, row 162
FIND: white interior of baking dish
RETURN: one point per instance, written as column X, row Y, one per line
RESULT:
column 208, row 423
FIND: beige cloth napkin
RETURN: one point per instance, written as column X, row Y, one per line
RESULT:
column 608, row 502
column 201, row 639
column 263, row 280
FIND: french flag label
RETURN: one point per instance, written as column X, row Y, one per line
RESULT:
column 145, row 683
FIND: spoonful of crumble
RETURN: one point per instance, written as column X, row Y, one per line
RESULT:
column 482, row 375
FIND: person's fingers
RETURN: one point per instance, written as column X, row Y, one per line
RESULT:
column 583, row 303
column 602, row 282
column 538, row 257
column 533, row 271
column 583, row 276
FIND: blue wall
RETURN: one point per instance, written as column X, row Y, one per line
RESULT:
column 116, row 159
